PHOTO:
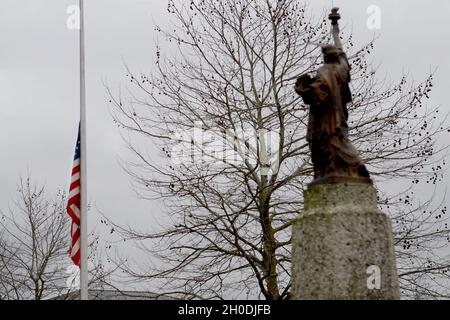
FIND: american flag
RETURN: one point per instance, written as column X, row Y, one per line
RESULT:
column 73, row 207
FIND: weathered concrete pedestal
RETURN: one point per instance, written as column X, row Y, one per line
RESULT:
column 342, row 246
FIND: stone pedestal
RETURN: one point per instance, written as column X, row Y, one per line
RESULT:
column 342, row 246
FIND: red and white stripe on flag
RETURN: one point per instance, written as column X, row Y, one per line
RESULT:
column 73, row 207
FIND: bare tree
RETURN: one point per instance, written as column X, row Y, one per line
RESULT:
column 34, row 243
column 230, row 197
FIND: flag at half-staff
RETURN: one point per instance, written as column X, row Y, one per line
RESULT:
column 74, row 206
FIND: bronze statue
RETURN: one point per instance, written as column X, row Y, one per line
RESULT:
column 333, row 156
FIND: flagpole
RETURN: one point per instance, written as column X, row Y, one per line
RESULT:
column 83, row 167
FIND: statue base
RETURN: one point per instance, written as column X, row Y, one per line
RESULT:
column 340, row 179
column 342, row 246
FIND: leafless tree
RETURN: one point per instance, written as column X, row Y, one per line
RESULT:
column 229, row 229
column 34, row 243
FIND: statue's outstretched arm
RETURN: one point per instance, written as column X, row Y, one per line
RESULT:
column 334, row 17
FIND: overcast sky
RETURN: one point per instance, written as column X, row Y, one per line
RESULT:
column 39, row 82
